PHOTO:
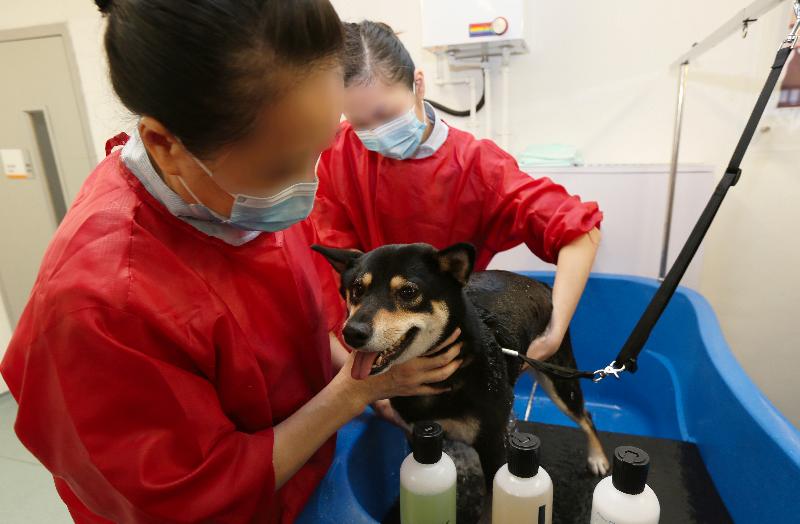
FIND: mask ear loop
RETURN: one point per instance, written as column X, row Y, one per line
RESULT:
column 202, row 166
column 219, row 217
column 316, row 169
column 186, row 187
column 199, row 163
column 208, row 172
column 424, row 113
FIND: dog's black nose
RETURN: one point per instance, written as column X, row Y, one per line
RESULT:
column 356, row 334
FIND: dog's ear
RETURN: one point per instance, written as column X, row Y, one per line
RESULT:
column 340, row 259
column 458, row 261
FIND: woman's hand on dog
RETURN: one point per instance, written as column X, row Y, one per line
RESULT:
column 409, row 378
column 544, row 346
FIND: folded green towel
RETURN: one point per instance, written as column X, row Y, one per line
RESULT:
column 550, row 155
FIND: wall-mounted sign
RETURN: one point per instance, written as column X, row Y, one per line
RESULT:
column 16, row 164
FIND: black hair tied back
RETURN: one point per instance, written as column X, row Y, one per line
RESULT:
column 103, row 5
column 373, row 50
column 206, row 69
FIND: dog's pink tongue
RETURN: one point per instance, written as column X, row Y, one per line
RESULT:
column 362, row 364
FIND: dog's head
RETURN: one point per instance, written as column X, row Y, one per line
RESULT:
column 402, row 300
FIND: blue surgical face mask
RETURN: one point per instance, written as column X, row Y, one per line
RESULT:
column 272, row 213
column 398, row 138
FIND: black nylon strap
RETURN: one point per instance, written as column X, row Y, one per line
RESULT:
column 638, row 337
column 761, row 104
column 555, row 371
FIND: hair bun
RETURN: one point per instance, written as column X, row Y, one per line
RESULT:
column 103, row 5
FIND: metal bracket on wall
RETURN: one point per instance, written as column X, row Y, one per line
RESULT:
column 741, row 21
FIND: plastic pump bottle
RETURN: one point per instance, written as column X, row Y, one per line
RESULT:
column 523, row 491
column 427, row 479
column 625, row 497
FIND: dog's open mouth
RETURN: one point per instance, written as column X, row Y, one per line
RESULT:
column 387, row 356
column 372, row 363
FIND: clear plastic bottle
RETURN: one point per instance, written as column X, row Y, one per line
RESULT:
column 522, row 491
column 427, row 479
column 625, row 497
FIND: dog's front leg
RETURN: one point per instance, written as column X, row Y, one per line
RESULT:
column 490, row 446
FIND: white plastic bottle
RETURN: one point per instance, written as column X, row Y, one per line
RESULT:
column 427, row 479
column 523, row 491
column 625, row 497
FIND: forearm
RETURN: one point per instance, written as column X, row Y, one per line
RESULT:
column 574, row 264
column 301, row 435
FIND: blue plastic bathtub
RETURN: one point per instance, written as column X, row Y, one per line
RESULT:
column 689, row 387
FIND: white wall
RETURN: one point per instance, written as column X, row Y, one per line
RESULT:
column 597, row 77
column 106, row 116
column 750, row 273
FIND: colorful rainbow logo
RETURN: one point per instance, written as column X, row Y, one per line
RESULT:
column 482, row 29
column 498, row 26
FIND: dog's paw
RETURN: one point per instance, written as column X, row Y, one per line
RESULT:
column 598, row 464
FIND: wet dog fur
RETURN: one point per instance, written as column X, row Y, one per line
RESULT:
column 404, row 300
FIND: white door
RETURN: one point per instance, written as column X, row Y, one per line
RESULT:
column 40, row 122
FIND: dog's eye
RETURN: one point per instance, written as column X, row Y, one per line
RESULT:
column 356, row 290
column 408, row 292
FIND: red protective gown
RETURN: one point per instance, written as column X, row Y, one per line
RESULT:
column 468, row 191
column 152, row 362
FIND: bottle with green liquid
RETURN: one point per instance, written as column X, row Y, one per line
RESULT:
column 427, row 479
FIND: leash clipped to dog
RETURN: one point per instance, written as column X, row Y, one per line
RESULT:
column 627, row 358
column 556, row 371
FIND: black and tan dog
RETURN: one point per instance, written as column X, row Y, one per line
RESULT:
column 404, row 300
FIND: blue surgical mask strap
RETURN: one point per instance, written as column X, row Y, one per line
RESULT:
column 414, row 92
column 186, row 187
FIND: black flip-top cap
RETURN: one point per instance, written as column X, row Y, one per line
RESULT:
column 523, row 454
column 631, row 466
column 427, row 444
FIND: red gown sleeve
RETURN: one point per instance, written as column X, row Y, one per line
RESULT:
column 330, row 216
column 332, row 303
column 332, row 228
column 116, row 410
column 519, row 208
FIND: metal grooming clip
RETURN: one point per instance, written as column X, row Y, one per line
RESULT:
column 600, row 374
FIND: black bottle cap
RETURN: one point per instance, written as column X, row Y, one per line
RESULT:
column 631, row 466
column 523, row 454
column 427, row 443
